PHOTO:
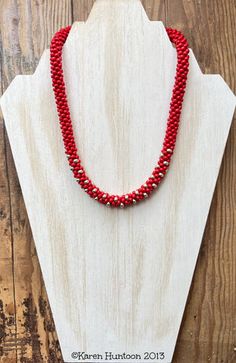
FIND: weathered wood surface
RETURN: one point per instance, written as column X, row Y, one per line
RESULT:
column 27, row 332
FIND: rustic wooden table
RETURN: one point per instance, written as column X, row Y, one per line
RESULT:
column 27, row 332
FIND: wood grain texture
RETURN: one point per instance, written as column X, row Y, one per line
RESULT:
column 27, row 329
column 208, row 331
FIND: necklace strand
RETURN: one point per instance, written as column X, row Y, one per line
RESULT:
column 160, row 170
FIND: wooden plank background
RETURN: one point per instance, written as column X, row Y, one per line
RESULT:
column 27, row 332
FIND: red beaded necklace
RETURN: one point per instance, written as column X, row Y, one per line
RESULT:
column 170, row 136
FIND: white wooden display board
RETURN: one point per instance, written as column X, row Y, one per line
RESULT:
column 117, row 280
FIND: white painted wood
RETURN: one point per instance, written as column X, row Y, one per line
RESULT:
column 117, row 280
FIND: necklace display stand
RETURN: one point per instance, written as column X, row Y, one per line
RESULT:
column 117, row 280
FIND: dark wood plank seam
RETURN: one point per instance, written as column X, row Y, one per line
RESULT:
column 12, row 238
column 72, row 10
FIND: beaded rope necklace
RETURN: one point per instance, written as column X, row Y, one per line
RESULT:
column 158, row 173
